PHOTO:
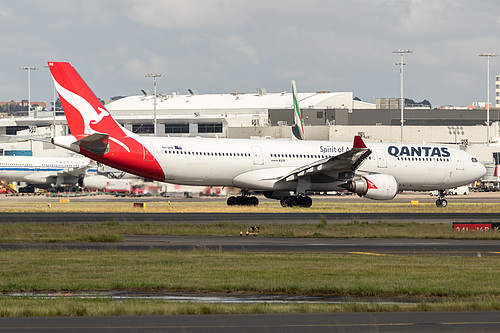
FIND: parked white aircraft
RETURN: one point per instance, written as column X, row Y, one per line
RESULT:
column 281, row 169
column 45, row 172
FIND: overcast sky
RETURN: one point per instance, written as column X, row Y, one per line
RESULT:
column 221, row 46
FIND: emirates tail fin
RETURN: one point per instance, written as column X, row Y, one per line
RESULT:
column 298, row 127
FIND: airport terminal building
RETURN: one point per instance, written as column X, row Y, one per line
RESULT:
column 326, row 115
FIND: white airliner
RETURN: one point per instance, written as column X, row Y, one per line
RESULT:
column 282, row 169
column 45, row 172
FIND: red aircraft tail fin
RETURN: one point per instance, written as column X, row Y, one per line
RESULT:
column 97, row 133
column 84, row 112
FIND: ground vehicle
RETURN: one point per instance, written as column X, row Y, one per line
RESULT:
column 125, row 187
column 461, row 190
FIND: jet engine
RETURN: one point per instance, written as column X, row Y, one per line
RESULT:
column 377, row 187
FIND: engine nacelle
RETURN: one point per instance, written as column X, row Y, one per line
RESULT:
column 377, row 187
column 97, row 182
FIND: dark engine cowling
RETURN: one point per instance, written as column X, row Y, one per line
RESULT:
column 377, row 187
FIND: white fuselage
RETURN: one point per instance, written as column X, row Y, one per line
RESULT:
column 257, row 164
column 43, row 170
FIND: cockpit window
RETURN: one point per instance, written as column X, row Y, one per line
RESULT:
column 474, row 160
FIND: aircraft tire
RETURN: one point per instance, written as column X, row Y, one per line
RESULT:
column 441, row 203
column 292, row 201
column 305, row 201
column 253, row 201
column 239, row 201
column 230, row 201
column 284, row 200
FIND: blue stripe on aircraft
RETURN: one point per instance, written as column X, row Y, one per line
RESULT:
column 37, row 169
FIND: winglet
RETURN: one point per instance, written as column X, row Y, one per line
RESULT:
column 358, row 142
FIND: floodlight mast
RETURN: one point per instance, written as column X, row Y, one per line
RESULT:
column 29, row 69
column 154, row 76
column 401, row 64
column 488, row 56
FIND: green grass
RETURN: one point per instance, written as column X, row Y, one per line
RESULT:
column 432, row 283
column 112, row 232
column 22, row 307
column 213, row 271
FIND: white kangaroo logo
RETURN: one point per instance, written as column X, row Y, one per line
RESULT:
column 103, row 113
column 87, row 111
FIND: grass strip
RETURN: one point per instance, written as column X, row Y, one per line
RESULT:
column 113, row 232
column 21, row 307
column 212, row 271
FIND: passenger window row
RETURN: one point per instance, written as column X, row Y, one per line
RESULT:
column 182, row 152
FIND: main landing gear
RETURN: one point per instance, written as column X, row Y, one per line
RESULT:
column 441, row 201
column 296, row 200
column 243, row 200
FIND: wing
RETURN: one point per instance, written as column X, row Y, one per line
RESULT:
column 26, row 138
column 76, row 172
column 340, row 167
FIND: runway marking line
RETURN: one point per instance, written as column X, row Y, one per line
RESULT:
column 187, row 326
column 472, row 323
column 371, row 254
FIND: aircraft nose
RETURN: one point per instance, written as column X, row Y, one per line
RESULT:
column 481, row 170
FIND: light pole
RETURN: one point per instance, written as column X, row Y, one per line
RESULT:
column 401, row 64
column 488, row 56
column 29, row 69
column 154, row 76
column 54, row 108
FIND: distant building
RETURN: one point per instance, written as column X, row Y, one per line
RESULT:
column 213, row 114
column 21, row 108
column 395, row 103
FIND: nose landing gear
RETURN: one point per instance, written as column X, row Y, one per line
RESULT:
column 441, row 201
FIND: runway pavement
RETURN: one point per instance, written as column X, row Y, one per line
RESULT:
column 246, row 218
column 428, row 322
column 356, row 246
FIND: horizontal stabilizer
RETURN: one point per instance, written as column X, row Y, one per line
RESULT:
column 28, row 138
column 96, row 143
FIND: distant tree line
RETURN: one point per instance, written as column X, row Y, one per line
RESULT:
column 411, row 103
column 13, row 108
